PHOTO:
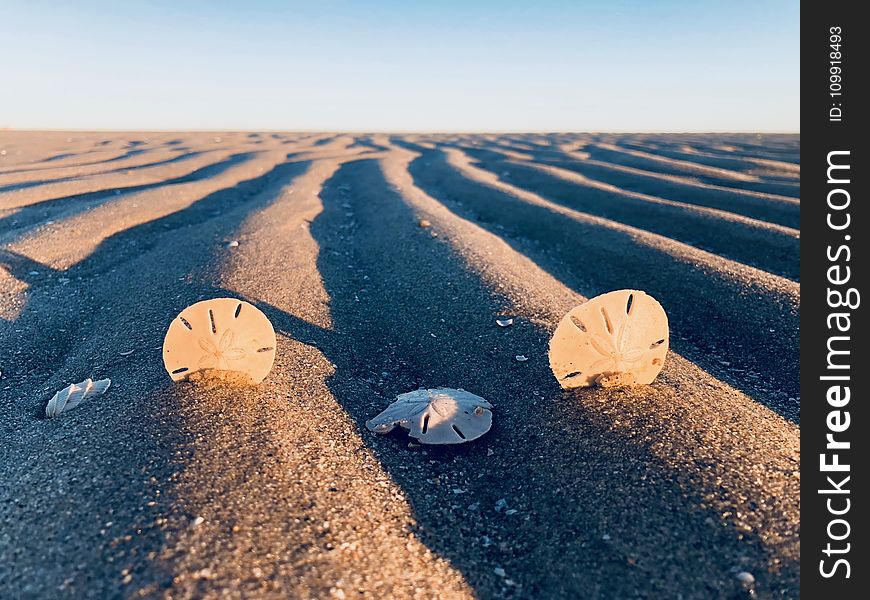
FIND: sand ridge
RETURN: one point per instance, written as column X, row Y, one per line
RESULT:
column 181, row 491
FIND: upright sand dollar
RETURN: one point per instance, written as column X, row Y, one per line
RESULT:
column 219, row 337
column 618, row 338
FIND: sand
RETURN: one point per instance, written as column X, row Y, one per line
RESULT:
column 161, row 490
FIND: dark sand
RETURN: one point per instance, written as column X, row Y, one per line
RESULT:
column 189, row 491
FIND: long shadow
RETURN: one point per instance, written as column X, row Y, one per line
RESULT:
column 205, row 172
column 29, row 184
column 134, row 152
column 710, row 158
column 768, row 250
column 779, row 147
column 56, row 326
column 68, row 206
column 565, row 505
column 61, row 156
column 182, row 156
column 620, row 157
column 785, row 150
column 54, row 158
column 367, row 141
column 413, row 290
column 743, row 335
column 124, row 156
column 132, row 441
column 731, row 199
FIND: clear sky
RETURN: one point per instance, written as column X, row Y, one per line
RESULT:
column 454, row 65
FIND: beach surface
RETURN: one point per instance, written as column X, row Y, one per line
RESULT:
column 383, row 262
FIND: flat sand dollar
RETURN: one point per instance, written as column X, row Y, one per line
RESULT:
column 223, row 338
column 618, row 338
column 436, row 416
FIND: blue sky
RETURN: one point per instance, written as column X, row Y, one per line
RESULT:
column 398, row 66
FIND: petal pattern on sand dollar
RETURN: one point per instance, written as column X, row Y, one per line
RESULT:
column 223, row 334
column 620, row 333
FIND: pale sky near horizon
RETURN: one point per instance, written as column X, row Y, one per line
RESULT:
column 674, row 65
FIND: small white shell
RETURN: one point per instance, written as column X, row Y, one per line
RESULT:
column 618, row 338
column 73, row 395
column 436, row 416
column 220, row 336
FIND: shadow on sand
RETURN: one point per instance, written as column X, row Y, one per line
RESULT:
column 597, row 515
column 130, row 446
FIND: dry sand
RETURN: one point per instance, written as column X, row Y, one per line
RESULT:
column 186, row 491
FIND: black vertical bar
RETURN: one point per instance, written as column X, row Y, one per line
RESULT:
column 834, row 371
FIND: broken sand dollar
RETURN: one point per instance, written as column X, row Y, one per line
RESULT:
column 223, row 338
column 436, row 416
column 618, row 338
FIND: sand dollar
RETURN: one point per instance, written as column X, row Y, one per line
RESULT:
column 436, row 416
column 618, row 338
column 224, row 338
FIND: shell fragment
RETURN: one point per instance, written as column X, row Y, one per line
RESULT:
column 73, row 395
